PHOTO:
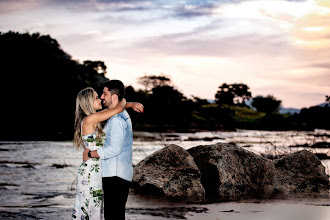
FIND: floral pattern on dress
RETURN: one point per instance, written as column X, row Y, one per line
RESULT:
column 88, row 202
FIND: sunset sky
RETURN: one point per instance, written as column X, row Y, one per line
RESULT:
column 276, row 47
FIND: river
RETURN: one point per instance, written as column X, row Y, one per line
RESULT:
column 38, row 177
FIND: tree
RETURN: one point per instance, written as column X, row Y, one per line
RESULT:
column 266, row 104
column 314, row 117
column 152, row 81
column 237, row 92
column 98, row 66
column 224, row 95
column 241, row 92
column 327, row 98
column 166, row 95
column 41, row 85
column 169, row 108
column 200, row 101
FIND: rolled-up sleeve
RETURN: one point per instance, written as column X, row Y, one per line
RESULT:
column 114, row 141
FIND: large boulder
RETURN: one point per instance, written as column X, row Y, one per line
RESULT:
column 300, row 174
column 171, row 173
column 229, row 172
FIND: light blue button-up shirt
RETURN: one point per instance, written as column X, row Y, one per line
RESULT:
column 116, row 154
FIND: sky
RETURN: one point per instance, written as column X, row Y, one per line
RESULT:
column 276, row 47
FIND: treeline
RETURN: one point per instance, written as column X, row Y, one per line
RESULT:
column 41, row 81
column 167, row 109
column 39, row 86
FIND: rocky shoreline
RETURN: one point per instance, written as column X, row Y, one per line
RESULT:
column 225, row 172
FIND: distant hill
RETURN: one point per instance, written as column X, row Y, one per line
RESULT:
column 295, row 110
column 289, row 111
column 249, row 103
column 324, row 104
column 281, row 110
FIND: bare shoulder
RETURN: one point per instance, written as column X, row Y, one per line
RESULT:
column 88, row 126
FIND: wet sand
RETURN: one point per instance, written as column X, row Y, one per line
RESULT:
column 293, row 209
column 144, row 208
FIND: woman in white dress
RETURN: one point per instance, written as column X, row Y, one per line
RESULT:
column 89, row 134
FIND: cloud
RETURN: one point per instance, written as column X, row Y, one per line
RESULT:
column 202, row 42
column 9, row 6
column 282, row 47
column 189, row 11
column 180, row 8
column 322, row 65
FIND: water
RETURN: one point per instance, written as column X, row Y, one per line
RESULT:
column 38, row 178
column 260, row 142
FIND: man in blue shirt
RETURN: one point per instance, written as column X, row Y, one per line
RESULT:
column 116, row 155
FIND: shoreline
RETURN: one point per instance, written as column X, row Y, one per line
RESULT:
column 162, row 131
column 147, row 208
column 139, row 207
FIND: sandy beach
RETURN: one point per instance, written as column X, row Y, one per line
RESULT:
column 294, row 209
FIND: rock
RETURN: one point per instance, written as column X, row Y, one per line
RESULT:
column 170, row 172
column 300, row 174
column 229, row 172
column 222, row 172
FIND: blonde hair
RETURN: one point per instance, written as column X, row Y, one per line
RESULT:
column 84, row 107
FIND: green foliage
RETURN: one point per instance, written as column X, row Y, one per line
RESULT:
column 245, row 114
column 153, row 81
column 228, row 94
column 313, row 117
column 200, row 101
column 168, row 106
column 42, row 82
column 266, row 104
column 98, row 66
column 167, row 109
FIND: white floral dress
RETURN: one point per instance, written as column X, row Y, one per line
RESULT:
column 88, row 203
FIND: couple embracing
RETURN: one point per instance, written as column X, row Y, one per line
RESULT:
column 107, row 169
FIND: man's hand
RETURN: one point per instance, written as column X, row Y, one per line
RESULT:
column 85, row 154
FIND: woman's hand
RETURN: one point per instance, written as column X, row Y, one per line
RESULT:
column 136, row 106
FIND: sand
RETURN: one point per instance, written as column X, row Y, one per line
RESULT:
column 294, row 209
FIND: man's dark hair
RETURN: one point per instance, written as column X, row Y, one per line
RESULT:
column 116, row 87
